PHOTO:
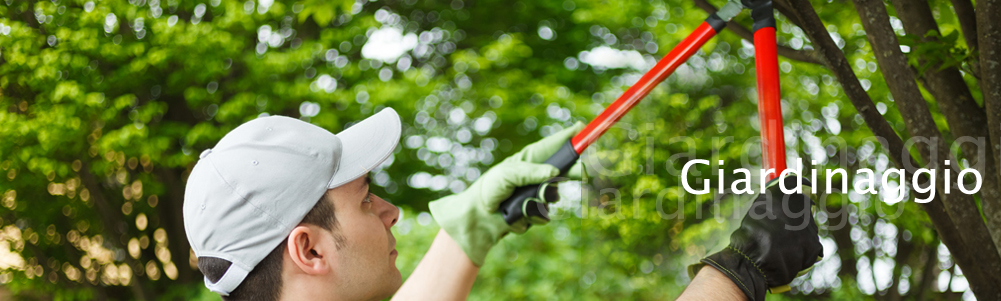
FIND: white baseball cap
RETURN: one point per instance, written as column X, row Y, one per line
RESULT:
column 245, row 195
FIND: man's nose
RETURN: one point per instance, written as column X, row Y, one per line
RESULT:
column 390, row 214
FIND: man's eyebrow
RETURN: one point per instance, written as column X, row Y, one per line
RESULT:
column 368, row 181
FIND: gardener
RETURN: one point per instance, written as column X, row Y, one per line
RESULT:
column 281, row 210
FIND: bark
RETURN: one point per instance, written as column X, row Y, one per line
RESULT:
column 989, row 40
column 914, row 110
column 806, row 56
column 964, row 116
column 802, row 13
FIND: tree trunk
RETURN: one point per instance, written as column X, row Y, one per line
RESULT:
column 802, row 13
column 914, row 110
column 964, row 116
column 989, row 40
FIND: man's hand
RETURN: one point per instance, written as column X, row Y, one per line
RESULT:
column 776, row 241
column 471, row 218
column 471, row 225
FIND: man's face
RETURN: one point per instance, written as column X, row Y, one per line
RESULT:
column 366, row 260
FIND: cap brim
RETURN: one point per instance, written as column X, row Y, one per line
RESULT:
column 365, row 145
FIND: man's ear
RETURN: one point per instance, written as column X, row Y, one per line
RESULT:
column 307, row 251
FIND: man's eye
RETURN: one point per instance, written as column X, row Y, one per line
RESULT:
column 368, row 198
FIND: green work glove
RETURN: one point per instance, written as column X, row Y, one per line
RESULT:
column 776, row 242
column 471, row 218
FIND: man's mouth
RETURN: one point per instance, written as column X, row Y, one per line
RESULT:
column 392, row 245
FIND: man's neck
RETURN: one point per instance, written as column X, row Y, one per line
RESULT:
column 308, row 289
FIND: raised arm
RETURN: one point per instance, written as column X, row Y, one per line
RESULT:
column 471, row 224
column 711, row 284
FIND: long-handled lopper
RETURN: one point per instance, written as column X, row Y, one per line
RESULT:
column 528, row 203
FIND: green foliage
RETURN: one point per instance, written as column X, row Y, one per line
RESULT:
column 105, row 106
column 935, row 50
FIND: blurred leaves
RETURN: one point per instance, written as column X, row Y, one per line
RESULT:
column 933, row 50
column 128, row 93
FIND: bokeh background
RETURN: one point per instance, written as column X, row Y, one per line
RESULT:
column 106, row 104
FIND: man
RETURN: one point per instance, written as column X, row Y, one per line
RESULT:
column 280, row 209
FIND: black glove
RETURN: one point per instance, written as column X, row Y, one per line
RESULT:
column 777, row 239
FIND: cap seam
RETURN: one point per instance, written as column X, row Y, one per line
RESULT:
column 243, row 196
column 293, row 150
column 321, row 129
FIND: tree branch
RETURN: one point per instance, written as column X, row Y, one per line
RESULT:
column 806, row 56
column 964, row 116
column 914, row 110
column 927, row 272
column 989, row 40
column 28, row 17
column 904, row 250
column 967, row 22
column 802, row 12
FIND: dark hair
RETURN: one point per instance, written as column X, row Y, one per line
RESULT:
column 264, row 282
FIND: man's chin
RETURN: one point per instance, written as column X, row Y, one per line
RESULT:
column 395, row 282
column 397, row 277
